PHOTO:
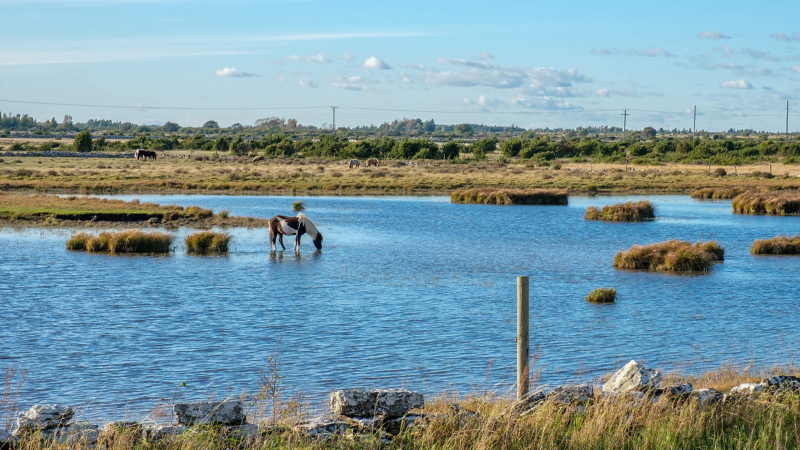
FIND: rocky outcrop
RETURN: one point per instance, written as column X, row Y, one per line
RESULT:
column 781, row 383
column 322, row 427
column 44, row 417
column 375, row 402
column 77, row 434
column 707, row 396
column 579, row 394
column 677, row 390
column 157, row 432
column 227, row 412
column 633, row 376
column 746, row 389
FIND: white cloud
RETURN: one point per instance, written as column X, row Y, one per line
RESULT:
column 533, row 78
column 755, row 54
column 522, row 101
column 374, row 63
column 231, row 72
column 796, row 68
column 464, row 62
column 318, row 58
column 307, row 83
column 413, row 66
column 351, row 83
column 652, row 52
column 782, row 37
column 347, row 56
column 485, row 55
column 736, row 84
column 481, row 104
column 712, row 35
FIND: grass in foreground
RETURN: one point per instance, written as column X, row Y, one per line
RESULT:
column 510, row 196
column 781, row 245
column 206, row 242
column 131, row 241
column 602, row 295
column 671, row 256
column 720, row 193
column 623, row 212
column 767, row 202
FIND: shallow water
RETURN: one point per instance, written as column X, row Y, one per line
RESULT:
column 412, row 292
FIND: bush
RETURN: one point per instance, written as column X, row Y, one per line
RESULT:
column 720, row 172
column 781, row 245
column 206, row 242
column 622, row 212
column 671, row 256
column 602, row 296
column 556, row 166
column 83, row 142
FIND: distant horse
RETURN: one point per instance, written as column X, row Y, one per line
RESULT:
column 373, row 162
column 293, row 226
column 355, row 163
column 145, row 154
column 258, row 158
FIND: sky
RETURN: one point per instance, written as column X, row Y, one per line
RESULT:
column 527, row 63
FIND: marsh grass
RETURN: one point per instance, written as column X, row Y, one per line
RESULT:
column 671, row 256
column 298, row 206
column 130, row 241
column 773, row 203
column 602, row 295
column 510, row 196
column 720, row 193
column 623, row 212
column 780, row 245
column 207, row 242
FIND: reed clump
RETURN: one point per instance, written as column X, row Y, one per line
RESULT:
column 781, row 245
column 721, row 193
column 671, row 256
column 772, row 203
column 206, row 242
column 602, row 295
column 130, row 241
column 623, row 212
column 510, row 196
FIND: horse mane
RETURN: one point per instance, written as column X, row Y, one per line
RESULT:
column 311, row 229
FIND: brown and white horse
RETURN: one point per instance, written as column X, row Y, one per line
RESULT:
column 373, row 162
column 293, row 226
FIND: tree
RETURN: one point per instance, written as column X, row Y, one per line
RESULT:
column 100, row 142
column 211, row 124
column 222, row 144
column 464, row 129
column 452, row 149
column 649, row 133
column 170, row 127
column 83, row 142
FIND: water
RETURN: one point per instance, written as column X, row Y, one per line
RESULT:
column 408, row 292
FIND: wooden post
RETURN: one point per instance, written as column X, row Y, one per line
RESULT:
column 523, row 349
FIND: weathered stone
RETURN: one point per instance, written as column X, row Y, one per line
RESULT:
column 394, row 425
column 707, row 396
column 746, row 389
column 633, row 377
column 781, row 383
column 322, row 427
column 677, row 390
column 122, row 427
column 529, row 402
column 43, row 417
column 572, row 394
column 371, row 402
column 84, row 434
column 454, row 409
column 154, row 432
column 227, row 412
column 246, row 433
column 7, row 440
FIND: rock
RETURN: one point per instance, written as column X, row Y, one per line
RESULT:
column 83, row 434
column 572, row 394
column 677, row 390
column 395, row 425
column 633, row 377
column 372, row 402
column 746, row 389
column 7, row 440
column 154, row 432
column 44, row 417
column 781, row 383
column 526, row 404
column 112, row 430
column 707, row 396
column 153, row 220
column 227, row 412
column 454, row 409
column 322, row 427
column 246, row 433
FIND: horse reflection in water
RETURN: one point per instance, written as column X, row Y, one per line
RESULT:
column 293, row 226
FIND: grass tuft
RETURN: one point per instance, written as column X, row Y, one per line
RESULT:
column 131, row 241
column 78, row 241
column 602, row 295
column 510, row 196
column 767, row 202
column 671, row 256
column 298, row 206
column 723, row 193
column 206, row 242
column 622, row 212
column 781, row 245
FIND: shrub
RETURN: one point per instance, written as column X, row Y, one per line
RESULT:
column 557, row 166
column 622, row 212
column 781, row 245
column 766, row 202
column 206, row 242
column 671, row 256
column 298, row 206
column 720, row 172
column 510, row 197
column 602, row 295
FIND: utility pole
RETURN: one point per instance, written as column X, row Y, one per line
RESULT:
column 787, row 120
column 624, row 122
column 334, row 108
column 694, row 124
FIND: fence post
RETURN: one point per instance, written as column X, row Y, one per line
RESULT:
column 523, row 349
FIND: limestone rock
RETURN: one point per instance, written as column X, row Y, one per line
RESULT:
column 322, row 427
column 707, row 396
column 44, row 417
column 529, row 402
column 572, row 394
column 677, row 390
column 227, row 412
column 454, row 409
column 246, row 433
column 746, row 389
column 781, row 383
column 371, row 402
column 156, row 432
column 633, row 376
column 7, row 440
column 77, row 434
column 395, row 425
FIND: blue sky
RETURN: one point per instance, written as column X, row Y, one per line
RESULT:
column 532, row 64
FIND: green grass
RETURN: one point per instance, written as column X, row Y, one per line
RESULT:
column 298, row 206
column 602, row 295
column 671, row 256
column 781, row 245
column 206, row 242
column 775, row 203
column 131, row 241
column 510, row 196
column 623, row 212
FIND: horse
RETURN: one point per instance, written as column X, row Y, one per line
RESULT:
column 373, row 162
column 257, row 159
column 355, row 163
column 149, row 154
column 293, row 226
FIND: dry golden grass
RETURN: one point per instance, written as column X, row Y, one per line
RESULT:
column 131, row 241
column 510, row 197
column 771, row 203
column 671, row 256
column 781, row 245
column 717, row 193
column 206, row 242
column 623, row 212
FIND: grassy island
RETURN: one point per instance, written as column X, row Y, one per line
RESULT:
column 774, row 203
column 781, row 245
column 719, row 193
column 131, row 241
column 602, row 295
column 671, row 256
column 622, row 212
column 207, row 242
column 510, row 197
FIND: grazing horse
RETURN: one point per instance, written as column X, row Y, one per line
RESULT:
column 373, row 162
column 293, row 226
column 258, row 158
column 146, row 154
column 355, row 163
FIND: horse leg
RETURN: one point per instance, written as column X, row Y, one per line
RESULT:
column 297, row 242
column 272, row 239
column 280, row 237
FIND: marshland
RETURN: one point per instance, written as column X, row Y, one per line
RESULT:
column 421, row 288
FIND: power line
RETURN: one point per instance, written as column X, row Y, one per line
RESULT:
column 162, row 107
